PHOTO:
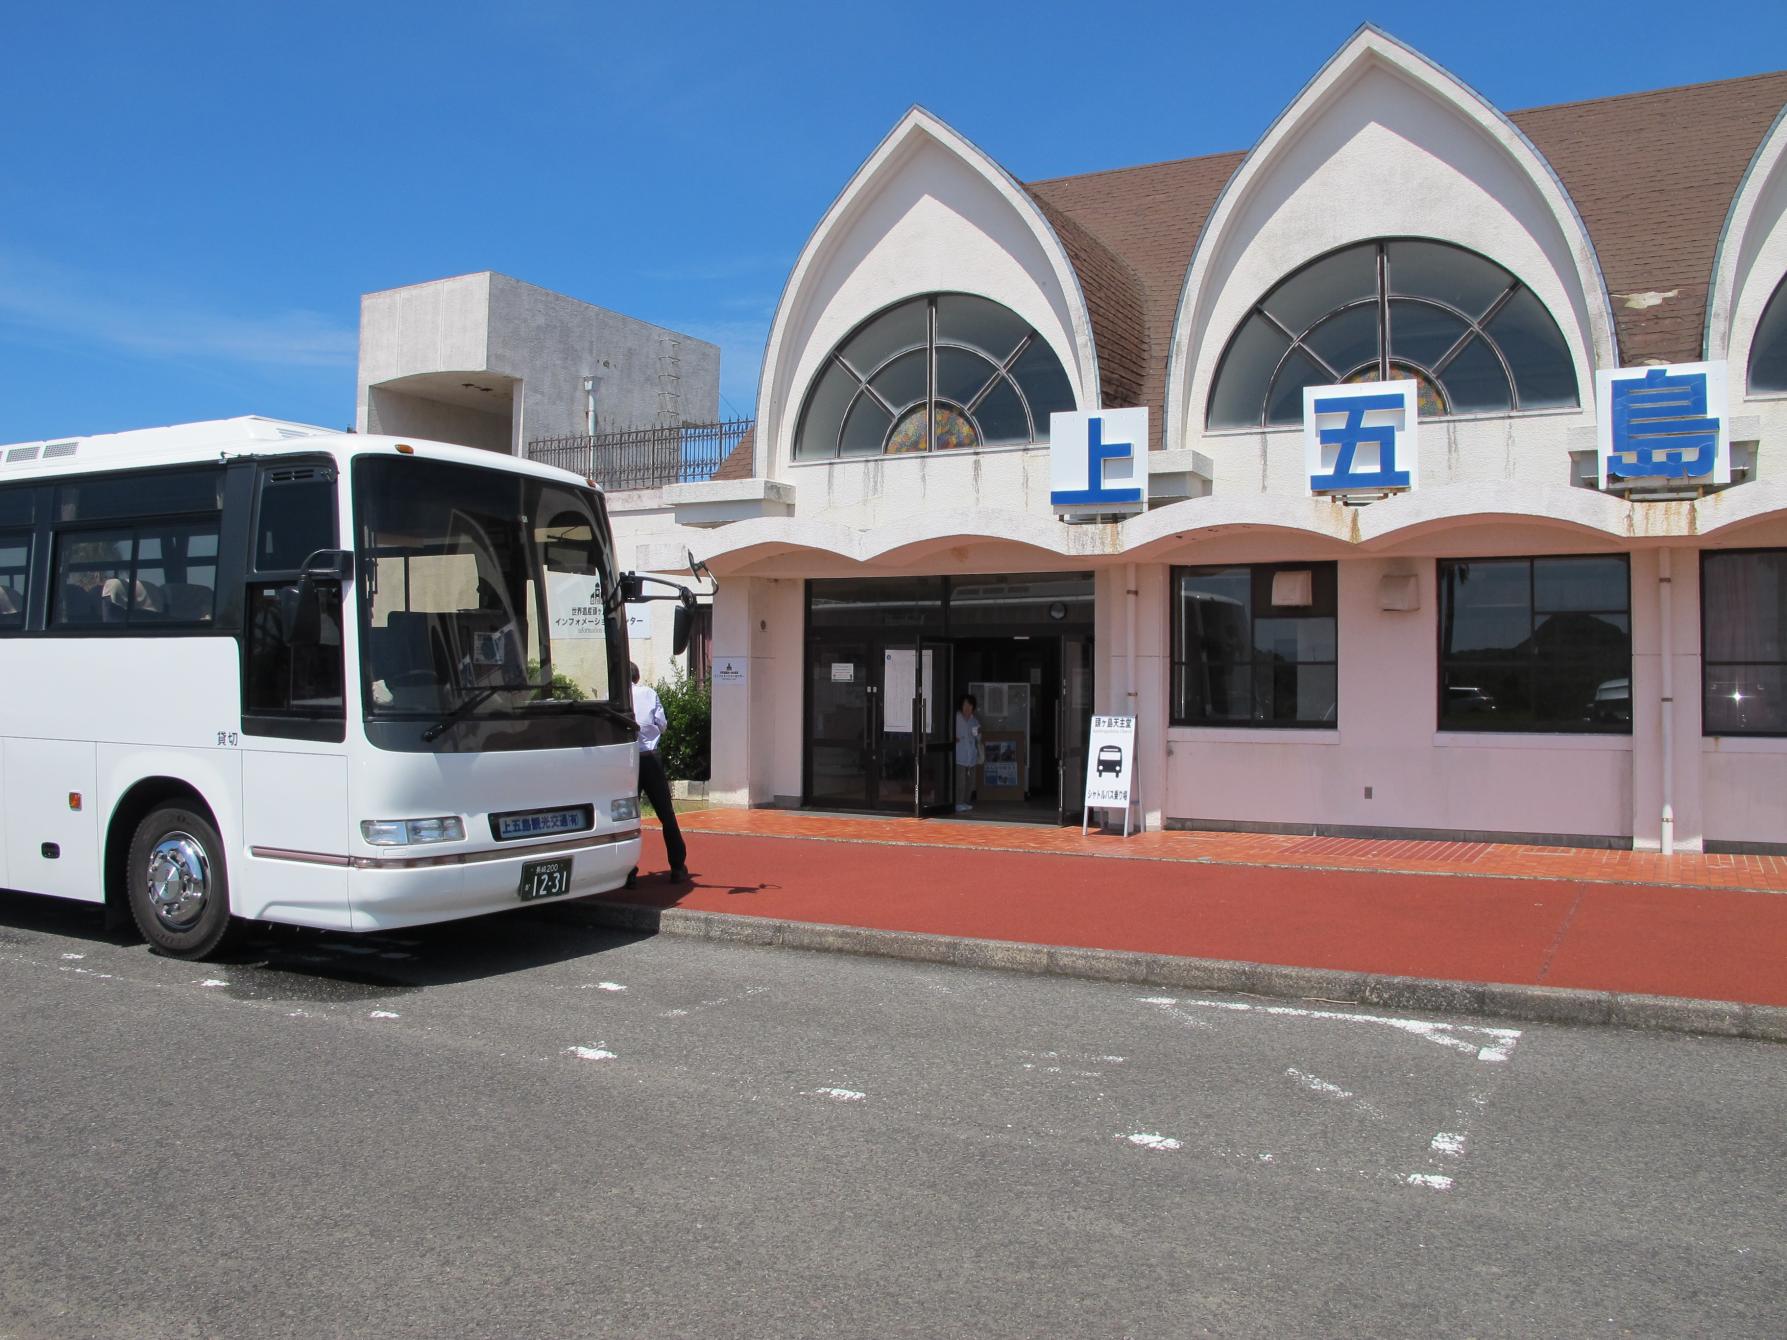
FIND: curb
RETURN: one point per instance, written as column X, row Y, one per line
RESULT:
column 1534, row 1004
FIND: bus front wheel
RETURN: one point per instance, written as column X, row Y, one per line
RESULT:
column 179, row 889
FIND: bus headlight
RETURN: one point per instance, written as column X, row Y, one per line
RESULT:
column 403, row 832
column 625, row 808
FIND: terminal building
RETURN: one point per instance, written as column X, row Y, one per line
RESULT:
column 1451, row 605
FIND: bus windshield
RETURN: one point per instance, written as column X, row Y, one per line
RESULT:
column 485, row 596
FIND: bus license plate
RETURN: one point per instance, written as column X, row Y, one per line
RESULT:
column 545, row 879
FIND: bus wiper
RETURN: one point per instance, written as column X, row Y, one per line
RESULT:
column 467, row 706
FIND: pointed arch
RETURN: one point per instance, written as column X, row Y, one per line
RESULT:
column 1751, row 262
column 1383, row 142
column 928, row 211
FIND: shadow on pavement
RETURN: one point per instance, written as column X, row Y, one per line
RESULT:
column 270, row 962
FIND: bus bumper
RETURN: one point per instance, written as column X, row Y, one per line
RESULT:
column 391, row 894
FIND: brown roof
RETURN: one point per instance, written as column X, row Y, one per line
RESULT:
column 1151, row 217
column 1114, row 302
column 1652, row 175
column 739, row 462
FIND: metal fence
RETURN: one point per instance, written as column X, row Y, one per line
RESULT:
column 644, row 458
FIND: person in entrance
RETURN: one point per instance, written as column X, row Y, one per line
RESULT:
column 970, row 752
column 648, row 711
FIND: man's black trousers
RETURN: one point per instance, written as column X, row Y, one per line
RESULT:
column 656, row 787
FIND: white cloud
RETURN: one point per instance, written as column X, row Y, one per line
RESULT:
column 41, row 296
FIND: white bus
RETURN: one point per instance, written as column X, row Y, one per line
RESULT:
column 256, row 670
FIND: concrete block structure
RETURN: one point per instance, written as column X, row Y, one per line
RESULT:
column 487, row 361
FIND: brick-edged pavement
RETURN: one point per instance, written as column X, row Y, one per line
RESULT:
column 1545, row 932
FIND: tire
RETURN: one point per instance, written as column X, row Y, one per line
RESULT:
column 179, row 888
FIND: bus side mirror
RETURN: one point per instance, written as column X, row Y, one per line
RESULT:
column 301, row 614
column 328, row 565
column 679, row 631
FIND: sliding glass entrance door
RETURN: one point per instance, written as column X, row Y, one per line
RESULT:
column 888, row 660
column 879, row 733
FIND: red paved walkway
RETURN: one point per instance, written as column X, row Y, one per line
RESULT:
column 1711, row 928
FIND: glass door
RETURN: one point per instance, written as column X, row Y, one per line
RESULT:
column 934, row 789
column 843, row 694
column 1074, row 708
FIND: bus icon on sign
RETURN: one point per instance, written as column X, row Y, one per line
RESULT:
column 1110, row 759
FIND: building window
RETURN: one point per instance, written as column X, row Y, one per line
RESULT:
column 1254, row 646
column 1768, row 351
column 1536, row 644
column 933, row 374
column 1469, row 334
column 1743, row 604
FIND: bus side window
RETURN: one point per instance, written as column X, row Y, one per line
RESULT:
column 15, row 572
column 294, row 681
column 92, row 576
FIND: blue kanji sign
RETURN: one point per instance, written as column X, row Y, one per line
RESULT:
column 1666, row 423
column 1098, row 460
column 1360, row 438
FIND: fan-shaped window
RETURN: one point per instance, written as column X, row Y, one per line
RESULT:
column 1768, row 351
column 933, row 374
column 1472, row 335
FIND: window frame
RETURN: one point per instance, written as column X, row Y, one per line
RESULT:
column 1002, row 374
column 1706, row 662
column 1441, row 663
column 11, row 625
column 1178, row 661
column 324, row 725
column 1775, row 307
column 1388, row 365
column 65, row 523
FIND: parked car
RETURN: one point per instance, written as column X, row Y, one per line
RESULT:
column 1612, row 702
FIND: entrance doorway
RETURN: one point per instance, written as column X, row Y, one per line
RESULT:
column 888, row 661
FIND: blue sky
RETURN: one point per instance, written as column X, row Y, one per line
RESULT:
column 194, row 196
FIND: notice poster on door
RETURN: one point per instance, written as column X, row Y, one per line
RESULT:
column 899, row 685
column 1110, row 766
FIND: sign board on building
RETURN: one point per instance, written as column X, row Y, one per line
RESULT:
column 1110, row 768
column 730, row 671
column 1098, row 461
column 1670, row 422
column 639, row 621
column 1361, row 438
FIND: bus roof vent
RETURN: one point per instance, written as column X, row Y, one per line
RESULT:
column 293, row 474
column 21, row 454
column 294, row 432
column 56, row 449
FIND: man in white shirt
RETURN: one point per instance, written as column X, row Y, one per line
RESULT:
column 649, row 713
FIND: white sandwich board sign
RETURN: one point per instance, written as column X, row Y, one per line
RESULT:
column 1110, row 768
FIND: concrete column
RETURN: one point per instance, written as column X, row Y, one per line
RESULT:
column 1153, row 663
column 1650, row 643
column 733, row 620
column 757, row 725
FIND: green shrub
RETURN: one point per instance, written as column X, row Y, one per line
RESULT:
column 688, row 736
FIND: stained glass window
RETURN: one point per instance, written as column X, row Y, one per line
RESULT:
column 945, row 372
column 1472, row 335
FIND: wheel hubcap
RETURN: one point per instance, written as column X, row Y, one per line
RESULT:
column 179, row 880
